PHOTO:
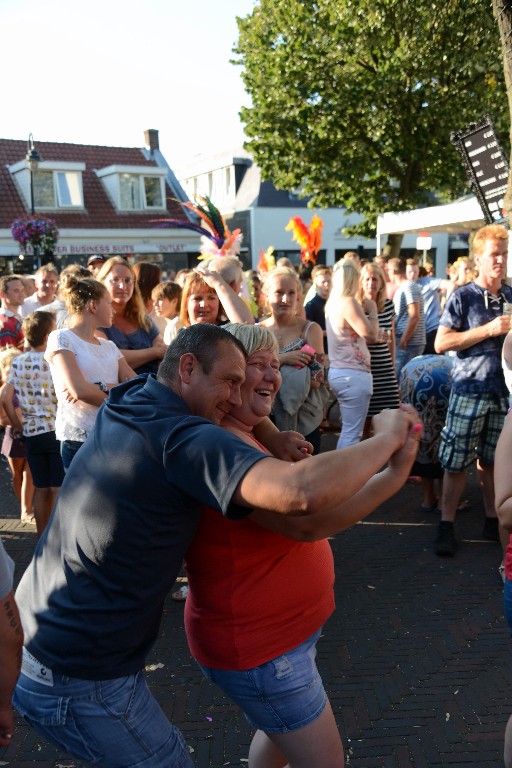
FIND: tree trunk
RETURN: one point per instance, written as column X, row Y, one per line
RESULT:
column 392, row 247
column 502, row 10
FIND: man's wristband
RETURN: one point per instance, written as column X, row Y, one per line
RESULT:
column 102, row 386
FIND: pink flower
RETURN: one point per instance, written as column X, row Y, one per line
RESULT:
column 37, row 231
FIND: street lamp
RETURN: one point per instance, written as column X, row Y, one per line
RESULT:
column 33, row 158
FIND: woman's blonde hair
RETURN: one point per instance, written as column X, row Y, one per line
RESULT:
column 381, row 296
column 253, row 337
column 458, row 264
column 345, row 282
column 135, row 309
column 280, row 272
column 7, row 355
column 194, row 283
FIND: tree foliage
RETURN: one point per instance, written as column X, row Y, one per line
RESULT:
column 353, row 101
column 503, row 13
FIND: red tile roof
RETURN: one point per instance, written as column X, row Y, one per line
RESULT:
column 99, row 212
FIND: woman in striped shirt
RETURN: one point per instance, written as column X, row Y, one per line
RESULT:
column 372, row 285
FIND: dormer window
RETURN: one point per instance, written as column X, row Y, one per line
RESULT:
column 138, row 192
column 134, row 188
column 56, row 185
column 57, row 189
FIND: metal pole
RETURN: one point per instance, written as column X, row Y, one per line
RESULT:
column 33, row 159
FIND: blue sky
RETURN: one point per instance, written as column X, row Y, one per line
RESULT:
column 103, row 71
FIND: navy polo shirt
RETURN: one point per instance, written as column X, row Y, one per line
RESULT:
column 91, row 599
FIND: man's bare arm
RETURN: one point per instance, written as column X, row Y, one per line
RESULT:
column 11, row 643
column 413, row 311
column 503, row 476
column 328, row 479
column 450, row 340
column 378, row 489
column 234, row 306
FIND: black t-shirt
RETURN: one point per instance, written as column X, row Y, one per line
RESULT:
column 91, row 599
column 315, row 310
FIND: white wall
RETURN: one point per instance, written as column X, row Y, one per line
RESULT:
column 268, row 228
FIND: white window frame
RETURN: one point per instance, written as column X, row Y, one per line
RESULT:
column 21, row 174
column 111, row 178
column 79, row 189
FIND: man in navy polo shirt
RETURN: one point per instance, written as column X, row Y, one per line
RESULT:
column 91, row 600
column 473, row 325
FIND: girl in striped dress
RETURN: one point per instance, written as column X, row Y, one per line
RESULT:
column 372, row 285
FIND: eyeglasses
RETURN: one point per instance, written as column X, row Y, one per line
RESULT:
column 119, row 280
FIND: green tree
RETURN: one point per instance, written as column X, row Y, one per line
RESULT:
column 503, row 14
column 353, row 101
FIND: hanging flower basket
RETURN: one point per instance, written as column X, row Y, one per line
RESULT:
column 36, row 231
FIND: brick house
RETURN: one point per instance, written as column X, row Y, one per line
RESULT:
column 104, row 200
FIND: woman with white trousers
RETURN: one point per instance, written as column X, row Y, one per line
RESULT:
column 349, row 327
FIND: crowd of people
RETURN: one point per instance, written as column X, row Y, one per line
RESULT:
column 211, row 461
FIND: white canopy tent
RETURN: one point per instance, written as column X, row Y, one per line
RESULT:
column 459, row 217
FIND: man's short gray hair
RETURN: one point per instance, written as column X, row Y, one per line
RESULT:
column 203, row 341
column 228, row 267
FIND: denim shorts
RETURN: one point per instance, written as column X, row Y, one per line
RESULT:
column 110, row 723
column 280, row 696
column 68, row 451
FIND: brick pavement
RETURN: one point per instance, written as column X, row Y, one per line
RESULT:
column 415, row 659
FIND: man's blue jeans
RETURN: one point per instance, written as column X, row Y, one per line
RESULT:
column 402, row 356
column 110, row 723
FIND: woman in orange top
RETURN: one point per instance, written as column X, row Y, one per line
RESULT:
column 258, row 599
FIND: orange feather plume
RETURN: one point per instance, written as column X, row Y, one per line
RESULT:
column 267, row 261
column 309, row 240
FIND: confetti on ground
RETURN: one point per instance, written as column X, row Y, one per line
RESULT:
column 153, row 667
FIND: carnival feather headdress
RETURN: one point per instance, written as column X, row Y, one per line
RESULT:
column 309, row 240
column 267, row 260
column 216, row 238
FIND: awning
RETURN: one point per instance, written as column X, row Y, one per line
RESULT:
column 459, row 217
